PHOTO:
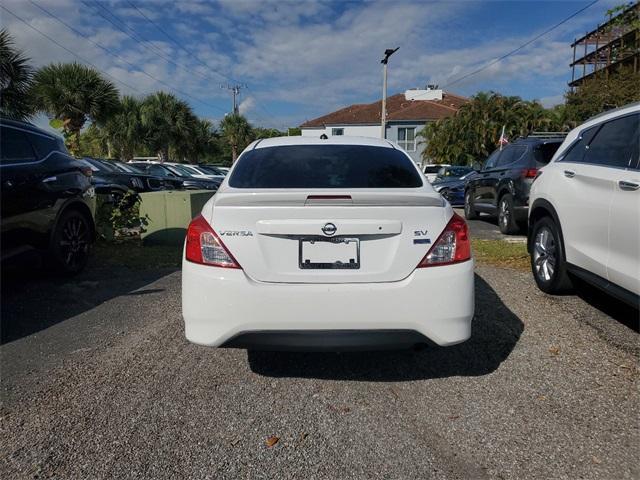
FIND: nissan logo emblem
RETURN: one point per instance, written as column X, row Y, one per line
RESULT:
column 329, row 229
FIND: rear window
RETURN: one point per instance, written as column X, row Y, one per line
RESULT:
column 325, row 166
column 545, row 151
column 432, row 168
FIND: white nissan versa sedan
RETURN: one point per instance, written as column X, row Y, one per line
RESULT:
column 326, row 244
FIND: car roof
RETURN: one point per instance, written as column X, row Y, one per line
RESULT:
column 316, row 140
column 609, row 114
column 537, row 140
column 27, row 126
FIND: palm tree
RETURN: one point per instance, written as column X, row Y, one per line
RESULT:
column 237, row 131
column 167, row 122
column 200, row 142
column 72, row 94
column 123, row 130
column 16, row 78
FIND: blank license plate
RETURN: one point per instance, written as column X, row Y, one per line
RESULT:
column 330, row 253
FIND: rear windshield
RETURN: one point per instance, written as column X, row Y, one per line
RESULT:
column 325, row 166
column 544, row 152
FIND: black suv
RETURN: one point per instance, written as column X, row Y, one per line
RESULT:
column 48, row 203
column 501, row 187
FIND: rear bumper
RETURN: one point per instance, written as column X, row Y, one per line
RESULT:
column 224, row 307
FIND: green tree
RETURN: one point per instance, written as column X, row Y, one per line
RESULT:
column 237, row 133
column 93, row 142
column 603, row 92
column 200, row 143
column 472, row 134
column 123, row 131
column 167, row 122
column 16, row 78
column 72, row 94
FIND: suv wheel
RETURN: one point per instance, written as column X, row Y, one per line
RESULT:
column 71, row 242
column 547, row 260
column 506, row 215
column 469, row 210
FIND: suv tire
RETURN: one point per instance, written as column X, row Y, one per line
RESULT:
column 71, row 242
column 469, row 210
column 506, row 215
column 548, row 264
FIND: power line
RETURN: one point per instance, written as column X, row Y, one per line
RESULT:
column 195, row 56
column 115, row 55
column 521, row 46
column 141, row 41
column 69, row 51
column 172, row 39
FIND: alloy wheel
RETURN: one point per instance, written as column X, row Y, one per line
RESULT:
column 74, row 242
column 504, row 214
column 544, row 254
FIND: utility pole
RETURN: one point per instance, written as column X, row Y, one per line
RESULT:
column 387, row 53
column 235, row 92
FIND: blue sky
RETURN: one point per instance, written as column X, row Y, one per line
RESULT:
column 303, row 59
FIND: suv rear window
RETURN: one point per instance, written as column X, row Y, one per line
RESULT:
column 545, row 151
column 325, row 166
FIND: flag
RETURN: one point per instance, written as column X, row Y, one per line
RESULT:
column 503, row 139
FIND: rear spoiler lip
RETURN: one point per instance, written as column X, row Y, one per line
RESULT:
column 300, row 199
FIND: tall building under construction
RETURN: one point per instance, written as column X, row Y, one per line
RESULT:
column 612, row 45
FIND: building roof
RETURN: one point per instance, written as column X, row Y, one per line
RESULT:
column 398, row 109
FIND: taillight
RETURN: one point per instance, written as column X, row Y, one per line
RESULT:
column 529, row 173
column 453, row 245
column 205, row 247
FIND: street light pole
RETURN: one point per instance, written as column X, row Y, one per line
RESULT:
column 383, row 127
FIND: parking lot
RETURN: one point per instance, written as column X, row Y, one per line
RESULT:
column 98, row 381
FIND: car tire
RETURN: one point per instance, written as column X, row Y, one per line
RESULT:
column 548, row 264
column 71, row 242
column 506, row 215
column 469, row 210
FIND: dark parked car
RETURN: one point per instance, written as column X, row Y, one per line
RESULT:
column 452, row 188
column 212, row 169
column 501, row 188
column 108, row 179
column 169, row 183
column 175, row 172
column 48, row 202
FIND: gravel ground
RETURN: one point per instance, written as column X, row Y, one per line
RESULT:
column 546, row 388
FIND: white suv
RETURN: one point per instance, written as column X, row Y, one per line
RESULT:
column 584, row 216
column 326, row 244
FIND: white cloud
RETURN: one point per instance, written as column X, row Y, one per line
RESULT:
column 307, row 57
column 247, row 105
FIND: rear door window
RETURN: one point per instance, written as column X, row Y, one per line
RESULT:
column 325, row 166
column 612, row 145
column 492, row 160
column 15, row 147
column 576, row 152
column 44, row 145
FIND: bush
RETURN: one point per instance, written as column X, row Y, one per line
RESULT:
column 118, row 216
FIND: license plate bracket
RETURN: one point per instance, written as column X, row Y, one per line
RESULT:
column 329, row 253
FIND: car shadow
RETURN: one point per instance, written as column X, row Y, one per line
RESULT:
column 614, row 308
column 495, row 332
column 34, row 298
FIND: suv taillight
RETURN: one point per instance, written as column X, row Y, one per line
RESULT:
column 453, row 245
column 530, row 173
column 203, row 246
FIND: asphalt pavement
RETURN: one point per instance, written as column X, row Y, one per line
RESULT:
column 486, row 228
column 99, row 382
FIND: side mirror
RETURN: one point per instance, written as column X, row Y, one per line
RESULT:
column 477, row 166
